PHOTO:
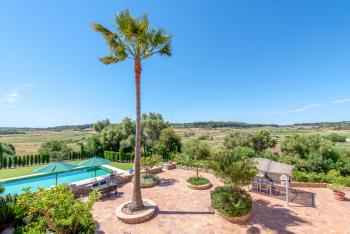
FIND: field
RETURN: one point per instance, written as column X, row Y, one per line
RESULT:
column 28, row 142
column 215, row 136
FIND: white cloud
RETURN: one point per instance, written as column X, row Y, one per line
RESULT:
column 313, row 106
column 301, row 109
column 340, row 101
column 13, row 95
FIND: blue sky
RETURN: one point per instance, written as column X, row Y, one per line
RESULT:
column 250, row 61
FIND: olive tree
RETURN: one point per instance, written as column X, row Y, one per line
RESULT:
column 235, row 167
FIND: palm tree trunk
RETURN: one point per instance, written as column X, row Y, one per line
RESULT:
column 136, row 203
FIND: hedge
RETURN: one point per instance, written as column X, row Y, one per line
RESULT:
column 119, row 156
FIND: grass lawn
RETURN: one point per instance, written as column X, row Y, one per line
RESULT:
column 22, row 171
column 123, row 166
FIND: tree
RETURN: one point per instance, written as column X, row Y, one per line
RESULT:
column 57, row 150
column 24, row 162
column 261, row 141
column 235, row 139
column 31, row 160
column 152, row 125
column 94, row 145
column 10, row 162
column 197, row 149
column 8, row 150
column 1, row 156
column 19, row 161
column 4, row 162
column 111, row 136
column 15, row 161
column 127, row 145
column 237, row 169
column 101, row 124
column 168, row 142
column 134, row 39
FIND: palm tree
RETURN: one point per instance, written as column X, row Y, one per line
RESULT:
column 134, row 39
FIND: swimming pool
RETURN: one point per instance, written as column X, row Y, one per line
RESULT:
column 47, row 180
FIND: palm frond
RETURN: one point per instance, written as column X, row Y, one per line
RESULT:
column 108, row 60
column 134, row 38
column 108, row 35
column 166, row 49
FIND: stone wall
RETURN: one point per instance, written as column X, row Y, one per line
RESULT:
column 128, row 177
column 194, row 169
column 309, row 185
column 293, row 184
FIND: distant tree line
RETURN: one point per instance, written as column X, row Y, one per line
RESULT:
column 214, row 124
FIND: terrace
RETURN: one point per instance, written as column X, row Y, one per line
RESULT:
column 183, row 210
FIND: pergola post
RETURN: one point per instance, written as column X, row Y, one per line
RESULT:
column 287, row 190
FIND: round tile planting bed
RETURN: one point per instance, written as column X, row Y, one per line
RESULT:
column 199, row 187
column 239, row 219
column 139, row 217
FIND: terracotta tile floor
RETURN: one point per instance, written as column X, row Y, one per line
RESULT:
column 182, row 210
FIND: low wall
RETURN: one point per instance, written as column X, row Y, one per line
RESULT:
column 293, row 184
column 128, row 177
column 194, row 168
column 309, row 185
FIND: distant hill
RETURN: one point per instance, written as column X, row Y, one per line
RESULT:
column 334, row 125
column 209, row 124
column 13, row 130
column 219, row 124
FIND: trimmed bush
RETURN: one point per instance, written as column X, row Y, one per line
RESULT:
column 231, row 202
column 194, row 180
column 148, row 180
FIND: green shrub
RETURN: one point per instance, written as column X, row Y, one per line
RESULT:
column 321, row 178
column 338, row 188
column 231, row 202
column 148, row 179
column 300, row 176
column 203, row 138
column 194, row 180
column 342, row 181
column 151, row 161
column 183, row 159
column 333, row 173
column 10, row 212
column 56, row 210
column 334, row 137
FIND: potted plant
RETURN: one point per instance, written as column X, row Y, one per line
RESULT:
column 235, row 169
column 339, row 191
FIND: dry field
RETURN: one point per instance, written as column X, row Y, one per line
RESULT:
column 30, row 141
column 215, row 136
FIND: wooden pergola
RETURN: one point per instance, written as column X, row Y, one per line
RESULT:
column 276, row 171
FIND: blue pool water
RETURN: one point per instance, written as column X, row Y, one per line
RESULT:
column 45, row 181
